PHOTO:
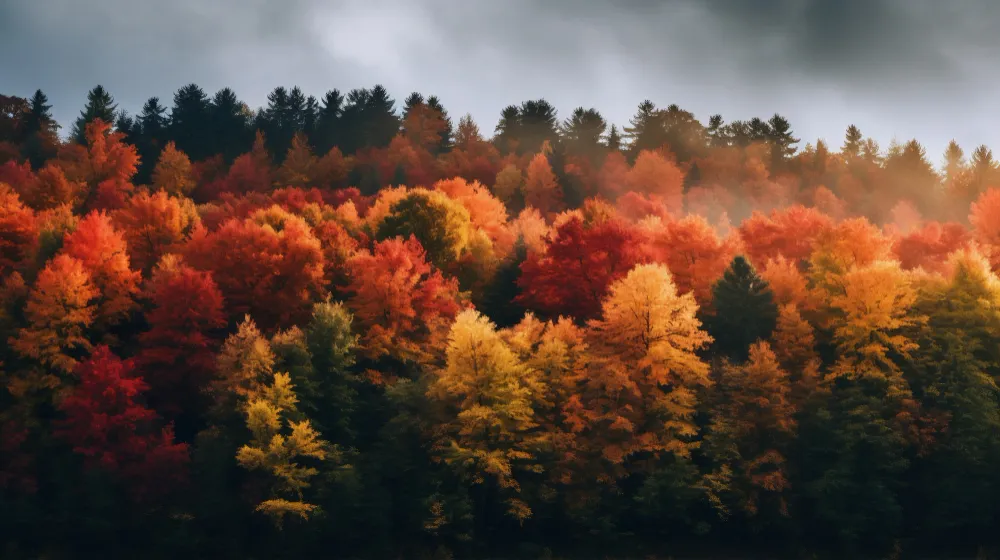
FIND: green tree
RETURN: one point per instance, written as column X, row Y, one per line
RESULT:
column 743, row 310
column 100, row 105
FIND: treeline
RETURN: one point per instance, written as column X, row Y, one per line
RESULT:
column 328, row 328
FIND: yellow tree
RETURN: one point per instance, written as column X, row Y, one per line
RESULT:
column 753, row 423
column 277, row 447
column 172, row 173
column 558, row 354
column 641, row 394
column 60, row 309
column 244, row 366
column 484, row 391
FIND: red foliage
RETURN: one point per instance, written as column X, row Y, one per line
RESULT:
column 105, row 423
column 573, row 275
column 18, row 175
column 985, row 220
column 789, row 232
column 273, row 275
column 338, row 246
column 929, row 246
column 177, row 356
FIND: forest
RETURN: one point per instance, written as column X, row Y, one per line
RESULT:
column 338, row 328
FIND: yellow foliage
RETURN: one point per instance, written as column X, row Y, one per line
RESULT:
column 278, row 453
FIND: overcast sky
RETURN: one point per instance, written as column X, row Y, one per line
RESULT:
column 903, row 68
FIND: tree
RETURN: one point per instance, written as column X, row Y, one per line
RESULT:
column 750, row 434
column 100, row 105
column 781, row 140
column 275, row 274
column 692, row 251
column 440, row 225
column 173, row 172
column 646, row 130
column 300, row 164
column 658, row 177
column 487, row 417
column 189, row 118
column 230, row 121
column 641, row 395
column 154, row 225
column 541, row 190
column 177, row 353
column 331, row 344
column 402, row 306
column 106, row 165
column 40, row 131
column 743, row 310
column 985, row 226
column 102, row 251
column 18, row 232
column 573, row 275
column 106, row 423
column 852, row 143
column 60, row 310
column 277, row 447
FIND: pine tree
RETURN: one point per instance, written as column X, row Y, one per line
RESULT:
column 100, row 105
column 328, row 126
column 782, row 142
column 40, row 131
column 189, row 122
column 743, row 310
column 852, row 143
column 230, row 121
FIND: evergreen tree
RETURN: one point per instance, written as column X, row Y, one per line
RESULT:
column 954, row 161
column 40, row 131
column 382, row 122
column 100, row 105
column 328, row 125
column 782, row 141
column 537, row 124
column 508, row 130
column 614, row 141
column 852, row 142
column 499, row 299
column 447, row 132
column 645, row 131
column 743, row 310
column 716, row 132
column 230, row 122
column 189, row 120
column 582, row 133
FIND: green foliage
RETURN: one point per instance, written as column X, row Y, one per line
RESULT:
column 743, row 310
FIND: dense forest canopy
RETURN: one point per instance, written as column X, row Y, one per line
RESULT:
column 350, row 327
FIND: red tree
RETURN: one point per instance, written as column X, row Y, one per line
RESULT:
column 105, row 423
column 177, row 356
column 572, row 277
column 929, row 246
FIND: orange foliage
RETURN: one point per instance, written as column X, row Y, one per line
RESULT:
column 273, row 275
column 173, row 171
column 18, row 232
column 541, row 190
column 659, row 178
column 789, row 232
column 693, row 253
column 60, row 310
column 102, row 251
column 402, row 306
column 154, row 225
column 985, row 219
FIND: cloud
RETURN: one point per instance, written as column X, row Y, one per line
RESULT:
column 894, row 67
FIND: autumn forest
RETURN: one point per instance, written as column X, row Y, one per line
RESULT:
column 348, row 327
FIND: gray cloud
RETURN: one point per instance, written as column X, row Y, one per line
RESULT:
column 909, row 68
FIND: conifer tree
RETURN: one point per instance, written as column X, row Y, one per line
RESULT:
column 100, row 105
column 743, row 310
